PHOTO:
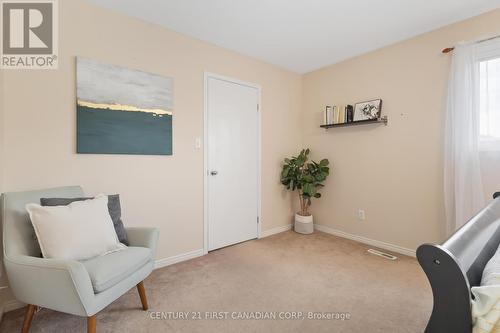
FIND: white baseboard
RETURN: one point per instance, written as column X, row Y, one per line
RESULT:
column 159, row 263
column 368, row 241
column 274, row 231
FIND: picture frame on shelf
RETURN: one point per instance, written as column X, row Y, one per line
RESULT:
column 369, row 110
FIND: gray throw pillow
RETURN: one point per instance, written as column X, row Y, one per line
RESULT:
column 114, row 209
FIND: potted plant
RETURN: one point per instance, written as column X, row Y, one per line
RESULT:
column 305, row 176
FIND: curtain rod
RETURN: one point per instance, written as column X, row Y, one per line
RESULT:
column 449, row 49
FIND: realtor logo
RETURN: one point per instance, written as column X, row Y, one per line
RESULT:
column 29, row 34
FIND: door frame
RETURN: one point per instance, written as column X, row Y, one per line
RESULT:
column 209, row 75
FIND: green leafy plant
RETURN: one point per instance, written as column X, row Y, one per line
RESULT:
column 305, row 176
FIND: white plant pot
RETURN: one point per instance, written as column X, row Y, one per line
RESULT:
column 304, row 224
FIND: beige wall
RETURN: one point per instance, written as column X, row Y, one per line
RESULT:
column 393, row 172
column 162, row 191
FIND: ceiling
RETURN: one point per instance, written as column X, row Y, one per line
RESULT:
column 301, row 35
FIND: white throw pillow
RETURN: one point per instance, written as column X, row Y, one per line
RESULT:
column 78, row 231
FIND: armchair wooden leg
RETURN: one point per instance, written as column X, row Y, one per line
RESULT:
column 91, row 324
column 30, row 311
column 142, row 295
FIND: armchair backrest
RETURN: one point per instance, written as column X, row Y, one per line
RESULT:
column 18, row 232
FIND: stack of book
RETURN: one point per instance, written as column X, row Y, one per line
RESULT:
column 338, row 114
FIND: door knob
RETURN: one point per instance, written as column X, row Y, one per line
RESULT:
column 213, row 173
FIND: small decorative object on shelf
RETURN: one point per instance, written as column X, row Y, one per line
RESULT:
column 367, row 110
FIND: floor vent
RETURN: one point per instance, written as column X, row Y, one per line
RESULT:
column 382, row 254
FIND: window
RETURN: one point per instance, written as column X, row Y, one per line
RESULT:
column 489, row 95
column 489, row 100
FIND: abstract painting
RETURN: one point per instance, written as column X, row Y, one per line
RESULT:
column 368, row 110
column 122, row 111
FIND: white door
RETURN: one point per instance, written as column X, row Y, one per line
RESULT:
column 232, row 162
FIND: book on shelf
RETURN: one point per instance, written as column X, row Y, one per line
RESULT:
column 349, row 113
column 337, row 114
column 341, row 115
column 329, row 115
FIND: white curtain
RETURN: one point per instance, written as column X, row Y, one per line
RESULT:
column 463, row 187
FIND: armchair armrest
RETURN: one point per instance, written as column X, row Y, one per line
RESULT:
column 61, row 285
column 144, row 237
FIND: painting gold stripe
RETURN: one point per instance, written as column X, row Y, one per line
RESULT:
column 121, row 107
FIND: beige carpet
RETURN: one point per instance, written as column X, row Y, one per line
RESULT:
column 279, row 275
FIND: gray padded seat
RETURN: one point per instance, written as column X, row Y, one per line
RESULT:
column 107, row 270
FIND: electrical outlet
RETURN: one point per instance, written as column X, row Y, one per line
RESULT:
column 361, row 214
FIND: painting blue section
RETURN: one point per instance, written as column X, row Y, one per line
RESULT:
column 104, row 131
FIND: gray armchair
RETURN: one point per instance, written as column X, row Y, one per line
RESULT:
column 81, row 288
